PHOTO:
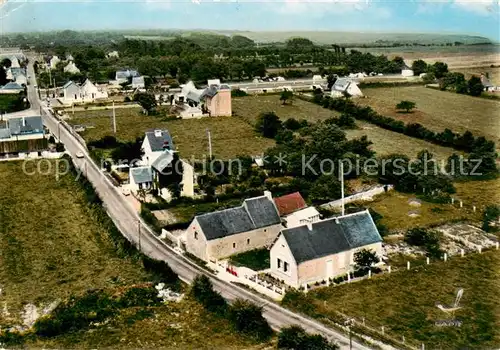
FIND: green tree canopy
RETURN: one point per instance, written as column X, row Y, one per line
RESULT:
column 405, row 105
column 268, row 124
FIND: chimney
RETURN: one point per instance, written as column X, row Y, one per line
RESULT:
column 309, row 226
column 337, row 220
column 269, row 195
column 158, row 133
column 24, row 122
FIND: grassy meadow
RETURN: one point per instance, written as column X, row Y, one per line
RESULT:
column 230, row 136
column 404, row 303
column 438, row 110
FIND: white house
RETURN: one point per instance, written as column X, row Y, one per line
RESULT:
column 317, row 78
column 302, row 217
column 14, row 62
column 211, row 82
column 11, row 88
column 138, row 82
column 122, row 76
column 345, row 85
column 321, row 250
column 406, row 71
column 53, row 62
column 140, row 178
column 113, row 54
column 89, row 91
column 71, row 68
column 71, row 91
column 155, row 144
column 220, row 234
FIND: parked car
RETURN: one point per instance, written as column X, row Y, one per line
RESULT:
column 79, row 154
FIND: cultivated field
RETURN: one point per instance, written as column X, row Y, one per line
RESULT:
column 51, row 243
column 250, row 107
column 438, row 110
column 230, row 136
column 404, row 303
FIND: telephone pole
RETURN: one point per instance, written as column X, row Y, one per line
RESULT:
column 139, row 229
column 342, row 186
column 114, row 118
column 209, row 144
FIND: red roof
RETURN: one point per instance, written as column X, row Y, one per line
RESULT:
column 289, row 203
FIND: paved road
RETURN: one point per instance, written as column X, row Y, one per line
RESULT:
column 131, row 225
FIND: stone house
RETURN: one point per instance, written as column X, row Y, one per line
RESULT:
column 217, row 100
column 220, row 234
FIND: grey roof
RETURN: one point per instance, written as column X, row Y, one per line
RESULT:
column 12, row 86
column 142, row 174
column 331, row 236
column 68, row 84
column 341, row 84
column 4, row 133
column 255, row 213
column 16, row 71
column 158, row 143
column 26, row 125
column 209, row 92
column 121, row 74
column 486, row 82
column 193, row 96
column 136, row 80
column 163, row 161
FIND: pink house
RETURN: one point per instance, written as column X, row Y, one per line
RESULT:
column 217, row 100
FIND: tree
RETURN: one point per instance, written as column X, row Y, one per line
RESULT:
column 429, row 78
column 423, row 238
column 247, row 318
column 128, row 152
column 439, row 69
column 3, row 77
column 202, row 290
column 286, row 95
column 325, row 188
column 292, row 124
column 268, row 124
column 475, row 86
column 491, row 214
column 331, row 79
column 406, row 106
column 147, row 101
column 346, row 121
column 365, row 258
column 418, row 67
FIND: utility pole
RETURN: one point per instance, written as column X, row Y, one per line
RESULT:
column 59, row 131
column 209, row 144
column 114, row 118
column 139, row 229
column 342, row 186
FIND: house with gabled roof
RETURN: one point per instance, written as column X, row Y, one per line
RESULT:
column 217, row 100
column 321, row 250
column 155, row 144
column 345, row 85
column 254, row 224
column 294, row 210
column 71, row 68
column 11, row 88
column 140, row 178
column 24, row 136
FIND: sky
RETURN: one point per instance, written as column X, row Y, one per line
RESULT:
column 476, row 17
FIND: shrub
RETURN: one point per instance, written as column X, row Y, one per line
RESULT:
column 238, row 93
column 59, row 147
column 247, row 318
column 202, row 290
column 295, row 338
column 160, row 269
column 52, row 139
column 127, row 99
column 138, row 296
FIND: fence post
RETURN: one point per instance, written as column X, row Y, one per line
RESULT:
column 480, row 249
column 363, row 321
column 423, row 346
column 389, row 269
column 462, row 252
column 461, row 204
column 407, row 265
column 445, row 257
column 474, row 208
column 305, row 288
column 403, row 339
column 496, row 245
column 428, row 260
column 348, row 277
column 369, row 273
column 452, row 200
column 382, row 330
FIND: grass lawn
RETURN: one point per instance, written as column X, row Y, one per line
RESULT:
column 257, row 259
column 231, row 136
column 186, row 213
column 250, row 107
column 51, row 244
column 386, row 142
column 438, row 110
column 7, row 102
column 395, row 208
column 404, row 303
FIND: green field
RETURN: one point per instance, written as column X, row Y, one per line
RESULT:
column 231, row 136
column 404, row 303
column 438, row 110
column 250, row 107
column 384, row 141
column 51, row 244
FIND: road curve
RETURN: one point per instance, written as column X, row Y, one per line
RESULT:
column 135, row 229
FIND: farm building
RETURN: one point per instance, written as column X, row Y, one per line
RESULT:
column 220, row 234
column 217, row 100
column 406, row 71
column 321, row 250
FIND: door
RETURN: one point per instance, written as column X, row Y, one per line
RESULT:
column 329, row 268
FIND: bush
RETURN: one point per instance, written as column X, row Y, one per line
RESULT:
column 490, row 215
column 296, row 338
column 247, row 318
column 138, row 296
column 238, row 93
column 424, row 238
column 127, row 99
column 59, row 147
column 202, row 290
column 160, row 269
column 52, row 139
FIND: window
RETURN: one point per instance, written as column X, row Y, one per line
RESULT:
column 248, row 240
column 279, row 263
column 195, row 235
column 234, row 245
column 285, row 266
column 265, row 230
